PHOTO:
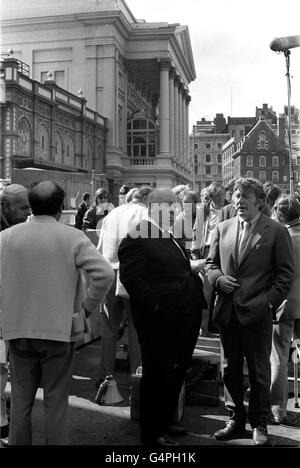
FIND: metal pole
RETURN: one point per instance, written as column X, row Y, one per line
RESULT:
column 287, row 58
column 193, row 162
column 93, row 184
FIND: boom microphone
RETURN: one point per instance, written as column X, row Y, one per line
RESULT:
column 281, row 44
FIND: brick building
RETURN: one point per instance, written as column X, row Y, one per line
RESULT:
column 262, row 154
column 48, row 133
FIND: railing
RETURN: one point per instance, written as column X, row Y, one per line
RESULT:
column 23, row 67
column 142, row 161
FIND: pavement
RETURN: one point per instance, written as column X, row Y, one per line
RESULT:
column 111, row 426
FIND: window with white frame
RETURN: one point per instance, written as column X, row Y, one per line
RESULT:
column 249, row 161
column 207, row 158
column 249, row 174
column 262, row 176
column 262, row 142
column 275, row 161
column 262, row 161
column 207, row 170
column 275, row 176
column 142, row 138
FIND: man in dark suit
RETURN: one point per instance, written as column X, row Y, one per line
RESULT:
column 227, row 212
column 166, row 299
column 250, row 264
column 83, row 207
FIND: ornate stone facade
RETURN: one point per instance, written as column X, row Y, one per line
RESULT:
column 40, row 136
column 127, row 68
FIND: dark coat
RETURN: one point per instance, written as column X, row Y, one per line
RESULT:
column 265, row 272
column 157, row 275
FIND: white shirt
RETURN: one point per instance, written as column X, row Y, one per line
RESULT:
column 116, row 225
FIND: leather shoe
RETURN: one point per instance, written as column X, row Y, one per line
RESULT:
column 176, row 429
column 4, row 430
column 165, row 440
column 260, row 435
column 4, row 442
column 232, row 429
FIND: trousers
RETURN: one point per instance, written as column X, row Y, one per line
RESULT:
column 114, row 311
column 35, row 362
column 281, row 344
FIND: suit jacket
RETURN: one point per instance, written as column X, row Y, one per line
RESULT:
column 80, row 215
column 157, row 275
column 265, row 272
column 41, row 289
column 227, row 212
column 290, row 308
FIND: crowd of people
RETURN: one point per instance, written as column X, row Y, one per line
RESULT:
column 170, row 263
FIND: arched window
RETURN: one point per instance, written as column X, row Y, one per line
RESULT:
column 262, row 142
column 24, row 137
column 43, row 139
column 142, row 138
column 87, row 162
column 69, row 153
column 58, row 149
column 100, row 164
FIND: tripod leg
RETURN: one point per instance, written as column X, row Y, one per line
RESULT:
column 296, row 358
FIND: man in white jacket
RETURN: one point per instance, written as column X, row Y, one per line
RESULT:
column 41, row 261
column 116, row 226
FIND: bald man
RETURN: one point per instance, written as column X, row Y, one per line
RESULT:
column 14, row 205
column 166, row 299
column 41, row 301
column 14, row 209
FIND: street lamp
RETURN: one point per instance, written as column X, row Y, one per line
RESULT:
column 93, row 181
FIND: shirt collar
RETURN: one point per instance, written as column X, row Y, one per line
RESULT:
column 294, row 222
column 43, row 219
column 252, row 221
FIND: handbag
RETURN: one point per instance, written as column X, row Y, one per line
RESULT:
column 120, row 289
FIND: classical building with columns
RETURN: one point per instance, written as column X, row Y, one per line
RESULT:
column 135, row 74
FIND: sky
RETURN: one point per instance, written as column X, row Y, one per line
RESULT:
column 235, row 67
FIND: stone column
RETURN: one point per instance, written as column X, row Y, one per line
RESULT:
column 172, row 112
column 164, row 111
column 176, row 117
column 184, row 138
column 187, row 102
column 180, row 135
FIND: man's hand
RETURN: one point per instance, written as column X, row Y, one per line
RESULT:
column 87, row 312
column 227, row 284
column 198, row 265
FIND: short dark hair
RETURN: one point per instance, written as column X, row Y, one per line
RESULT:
column 86, row 196
column 244, row 184
column 142, row 194
column 230, row 185
column 288, row 208
column 193, row 196
column 46, row 204
column 272, row 193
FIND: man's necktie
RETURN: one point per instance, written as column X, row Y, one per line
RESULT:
column 243, row 240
